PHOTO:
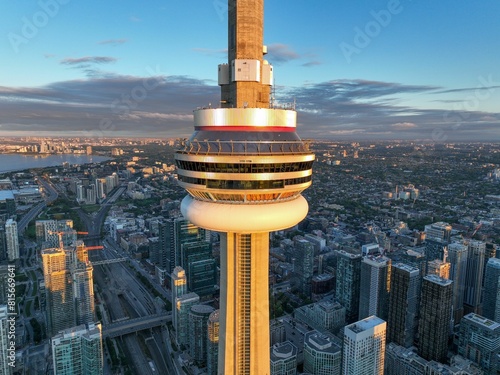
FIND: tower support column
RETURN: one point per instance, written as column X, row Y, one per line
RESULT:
column 244, row 324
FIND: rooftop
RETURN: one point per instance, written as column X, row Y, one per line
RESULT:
column 365, row 324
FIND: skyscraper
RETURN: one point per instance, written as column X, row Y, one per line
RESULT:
column 348, row 283
column 474, row 276
column 59, row 288
column 198, row 320
column 375, row 285
column 213, row 343
column 5, row 369
column 491, row 301
column 304, row 264
column 12, row 240
column 435, row 315
column 244, row 169
column 183, row 306
column 457, row 256
column 403, row 304
column 201, row 270
column 364, row 347
column 3, row 242
column 78, row 350
column 68, row 277
column 179, row 288
column 173, row 233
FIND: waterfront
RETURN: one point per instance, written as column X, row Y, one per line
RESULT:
column 18, row 162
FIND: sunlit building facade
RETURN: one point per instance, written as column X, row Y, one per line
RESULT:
column 364, row 347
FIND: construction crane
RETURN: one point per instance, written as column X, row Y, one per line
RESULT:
column 61, row 243
column 100, row 247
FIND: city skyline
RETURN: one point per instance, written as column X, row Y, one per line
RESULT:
column 383, row 70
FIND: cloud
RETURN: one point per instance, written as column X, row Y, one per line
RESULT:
column 403, row 125
column 113, row 42
column 311, row 63
column 106, row 107
column 88, row 60
column 135, row 19
column 281, row 53
column 161, row 106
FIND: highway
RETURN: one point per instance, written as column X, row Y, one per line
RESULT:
column 49, row 195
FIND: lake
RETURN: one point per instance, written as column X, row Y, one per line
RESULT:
column 18, row 162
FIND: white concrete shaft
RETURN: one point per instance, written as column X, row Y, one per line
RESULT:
column 244, row 321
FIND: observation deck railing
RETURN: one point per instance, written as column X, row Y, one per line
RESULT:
column 244, row 148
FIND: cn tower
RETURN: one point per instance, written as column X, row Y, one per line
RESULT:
column 244, row 168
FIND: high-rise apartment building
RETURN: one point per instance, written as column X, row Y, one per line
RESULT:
column 82, row 274
column 201, row 270
column 474, row 276
column 479, row 341
column 322, row 354
column 12, row 240
column 491, row 300
column 183, row 306
column 435, row 316
column 403, row 304
column 3, row 242
column 348, row 283
column 5, row 369
column 179, row 288
column 284, row 359
column 59, row 290
column 457, row 257
column 173, row 233
column 198, row 333
column 244, row 169
column 303, row 264
column 69, row 288
column 213, row 343
column 375, row 286
column 364, row 347
column 78, row 350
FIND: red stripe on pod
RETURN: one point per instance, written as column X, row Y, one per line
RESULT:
column 246, row 128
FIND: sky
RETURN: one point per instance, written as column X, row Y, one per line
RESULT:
column 422, row 70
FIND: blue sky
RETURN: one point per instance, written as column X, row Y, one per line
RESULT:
column 360, row 70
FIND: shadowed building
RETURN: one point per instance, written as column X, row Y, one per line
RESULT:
column 375, row 285
column 348, row 283
column 435, row 316
column 403, row 304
